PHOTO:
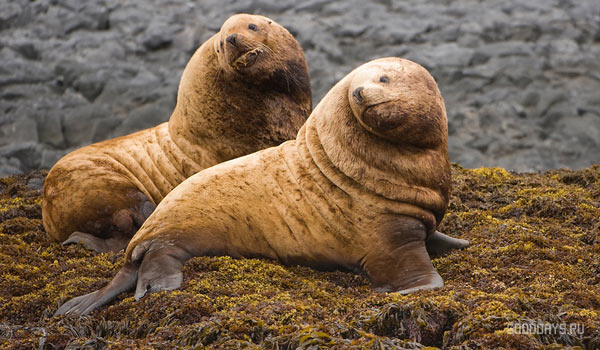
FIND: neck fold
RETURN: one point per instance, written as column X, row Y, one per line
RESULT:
column 349, row 155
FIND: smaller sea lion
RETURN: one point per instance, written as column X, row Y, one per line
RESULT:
column 362, row 187
column 246, row 88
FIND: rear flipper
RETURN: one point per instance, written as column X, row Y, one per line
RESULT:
column 439, row 243
column 100, row 245
column 160, row 269
column 123, row 225
column 124, row 281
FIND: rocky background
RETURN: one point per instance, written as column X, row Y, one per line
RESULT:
column 521, row 80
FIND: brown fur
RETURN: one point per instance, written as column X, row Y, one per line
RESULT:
column 340, row 196
column 227, row 106
column 333, row 171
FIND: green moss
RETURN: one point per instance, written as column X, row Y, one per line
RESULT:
column 491, row 174
column 533, row 258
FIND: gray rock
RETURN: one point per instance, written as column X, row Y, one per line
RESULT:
column 157, row 36
column 146, row 116
column 520, row 79
column 27, row 49
column 28, row 154
column 449, row 54
column 9, row 14
column 50, row 157
column 50, row 130
column 23, row 72
column 79, row 15
column 531, row 98
column 104, row 128
column 501, row 50
column 35, row 183
column 260, row 6
column 130, row 20
column 23, row 129
column 469, row 34
column 77, row 124
column 69, row 70
column 9, row 169
column 134, row 88
column 311, row 5
column 90, row 85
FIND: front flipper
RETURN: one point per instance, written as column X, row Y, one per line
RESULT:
column 124, row 281
column 397, row 261
column 405, row 269
column 161, row 269
column 100, row 245
column 439, row 243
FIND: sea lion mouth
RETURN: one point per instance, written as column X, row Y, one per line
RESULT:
column 374, row 105
column 381, row 116
column 247, row 59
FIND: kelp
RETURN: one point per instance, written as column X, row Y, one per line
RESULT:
column 531, row 269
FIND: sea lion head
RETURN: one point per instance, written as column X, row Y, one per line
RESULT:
column 262, row 51
column 398, row 100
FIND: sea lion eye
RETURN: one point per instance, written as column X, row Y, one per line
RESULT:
column 384, row 79
column 252, row 26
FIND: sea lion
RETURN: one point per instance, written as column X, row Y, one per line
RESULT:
column 245, row 89
column 361, row 188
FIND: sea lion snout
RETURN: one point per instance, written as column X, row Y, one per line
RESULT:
column 235, row 46
column 357, row 94
column 232, row 39
column 383, row 117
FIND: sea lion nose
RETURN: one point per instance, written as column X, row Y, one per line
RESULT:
column 232, row 39
column 357, row 94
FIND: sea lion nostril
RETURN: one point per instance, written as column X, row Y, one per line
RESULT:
column 232, row 39
column 357, row 94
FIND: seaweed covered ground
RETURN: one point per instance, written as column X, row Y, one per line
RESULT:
column 529, row 280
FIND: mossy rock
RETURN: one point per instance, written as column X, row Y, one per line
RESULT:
column 533, row 260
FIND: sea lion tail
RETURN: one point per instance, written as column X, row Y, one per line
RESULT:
column 438, row 243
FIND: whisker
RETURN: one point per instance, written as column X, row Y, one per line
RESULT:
column 290, row 80
column 217, row 76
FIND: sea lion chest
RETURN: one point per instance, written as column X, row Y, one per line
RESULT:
column 329, row 228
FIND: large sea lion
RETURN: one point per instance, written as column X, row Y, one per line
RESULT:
column 245, row 89
column 361, row 188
